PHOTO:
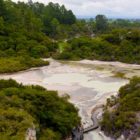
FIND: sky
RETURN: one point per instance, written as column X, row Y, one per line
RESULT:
column 90, row 8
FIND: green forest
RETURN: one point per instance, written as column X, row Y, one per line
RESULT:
column 117, row 45
column 121, row 115
column 23, row 107
column 30, row 31
column 22, row 40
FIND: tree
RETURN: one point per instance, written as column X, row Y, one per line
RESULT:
column 1, row 25
column 24, row 107
column 54, row 25
column 2, row 8
column 101, row 23
column 122, row 117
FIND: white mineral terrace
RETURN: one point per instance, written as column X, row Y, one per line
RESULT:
column 89, row 83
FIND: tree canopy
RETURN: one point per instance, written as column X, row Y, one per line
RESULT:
column 101, row 23
column 24, row 107
column 117, row 45
column 121, row 114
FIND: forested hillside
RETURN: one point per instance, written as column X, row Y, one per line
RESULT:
column 23, row 33
column 23, row 107
column 121, row 114
column 116, row 45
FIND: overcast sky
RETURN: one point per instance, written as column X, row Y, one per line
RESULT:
column 90, row 8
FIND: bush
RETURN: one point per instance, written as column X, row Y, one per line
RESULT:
column 123, row 118
column 14, row 64
column 23, row 107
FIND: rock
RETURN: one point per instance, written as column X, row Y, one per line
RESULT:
column 31, row 134
column 121, row 138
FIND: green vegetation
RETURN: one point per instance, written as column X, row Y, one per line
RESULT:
column 118, row 45
column 30, row 31
column 23, row 107
column 21, row 32
column 119, row 74
column 62, row 46
column 36, row 30
column 121, row 115
column 101, row 23
column 14, row 64
column 22, row 41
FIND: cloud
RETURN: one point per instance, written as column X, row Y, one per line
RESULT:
column 111, row 8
